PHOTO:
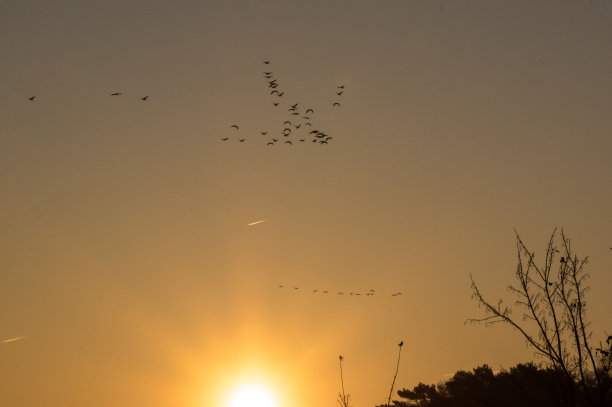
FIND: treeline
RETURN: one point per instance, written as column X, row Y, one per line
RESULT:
column 521, row 385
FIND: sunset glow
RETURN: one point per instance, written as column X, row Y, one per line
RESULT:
column 207, row 203
column 252, row 395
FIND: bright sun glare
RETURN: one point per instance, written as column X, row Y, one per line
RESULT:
column 252, row 395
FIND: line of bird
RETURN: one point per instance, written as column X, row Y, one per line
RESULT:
column 369, row 293
column 297, row 123
column 143, row 98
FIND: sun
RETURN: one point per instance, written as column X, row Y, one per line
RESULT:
column 252, row 395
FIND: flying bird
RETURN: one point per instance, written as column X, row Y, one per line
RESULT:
column 242, row 140
column 341, row 87
column 336, row 104
column 263, row 133
column 287, row 123
column 275, row 103
column 144, row 98
column 266, row 62
column 32, row 98
column 234, row 125
column 116, row 94
column 339, row 93
column 288, row 142
column 297, row 126
column 270, row 143
column 225, row 139
column 309, row 110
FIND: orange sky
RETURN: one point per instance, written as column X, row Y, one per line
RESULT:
column 128, row 269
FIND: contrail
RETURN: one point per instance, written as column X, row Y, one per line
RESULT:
column 13, row 339
column 256, row 222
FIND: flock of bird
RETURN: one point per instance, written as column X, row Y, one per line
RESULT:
column 369, row 293
column 298, row 126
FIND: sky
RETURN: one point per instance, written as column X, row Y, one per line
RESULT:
column 129, row 273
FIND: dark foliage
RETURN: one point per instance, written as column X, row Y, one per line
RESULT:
column 522, row 385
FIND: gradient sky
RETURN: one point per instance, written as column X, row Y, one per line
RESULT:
column 128, row 269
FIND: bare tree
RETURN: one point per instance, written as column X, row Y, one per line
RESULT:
column 343, row 398
column 552, row 298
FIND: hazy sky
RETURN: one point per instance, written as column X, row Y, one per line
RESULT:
column 129, row 273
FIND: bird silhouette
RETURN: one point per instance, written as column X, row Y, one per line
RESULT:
column 225, row 139
column 266, row 62
column 336, row 104
column 144, row 98
column 270, row 143
column 288, row 142
column 242, row 140
column 116, row 94
column 297, row 126
column 287, row 123
column 309, row 110
column 341, row 87
column 400, row 344
column 339, row 93
column 263, row 133
column 234, row 125
column 32, row 98
column 275, row 103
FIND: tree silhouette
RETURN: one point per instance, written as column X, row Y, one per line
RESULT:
column 523, row 385
column 552, row 299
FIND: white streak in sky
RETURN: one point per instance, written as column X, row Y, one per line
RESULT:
column 256, row 222
column 13, row 339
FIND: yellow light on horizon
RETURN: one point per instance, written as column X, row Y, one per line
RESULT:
column 252, row 395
